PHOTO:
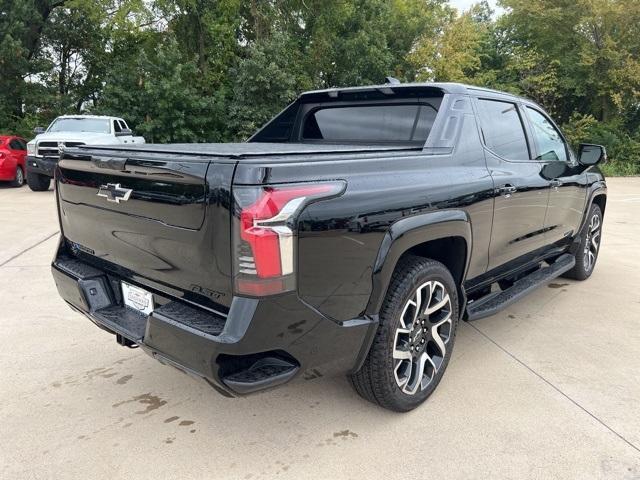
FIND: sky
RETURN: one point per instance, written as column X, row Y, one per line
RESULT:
column 464, row 4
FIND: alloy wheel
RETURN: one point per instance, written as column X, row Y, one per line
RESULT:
column 592, row 242
column 19, row 176
column 420, row 343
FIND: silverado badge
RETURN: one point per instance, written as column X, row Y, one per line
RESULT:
column 113, row 192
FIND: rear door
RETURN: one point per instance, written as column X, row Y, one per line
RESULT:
column 18, row 150
column 164, row 217
column 567, row 178
column 521, row 192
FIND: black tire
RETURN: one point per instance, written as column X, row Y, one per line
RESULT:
column 591, row 238
column 379, row 378
column 38, row 182
column 19, row 180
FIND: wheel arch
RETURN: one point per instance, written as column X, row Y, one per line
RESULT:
column 598, row 196
column 600, row 199
column 444, row 236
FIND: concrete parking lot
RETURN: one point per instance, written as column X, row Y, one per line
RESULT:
column 549, row 388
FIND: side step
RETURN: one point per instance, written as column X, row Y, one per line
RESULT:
column 264, row 373
column 494, row 302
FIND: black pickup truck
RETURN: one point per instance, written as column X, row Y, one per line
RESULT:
column 349, row 235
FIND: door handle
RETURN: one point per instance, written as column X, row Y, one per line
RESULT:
column 507, row 190
column 555, row 183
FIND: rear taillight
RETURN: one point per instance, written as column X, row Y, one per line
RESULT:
column 265, row 234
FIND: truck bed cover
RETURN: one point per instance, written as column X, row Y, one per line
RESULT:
column 248, row 150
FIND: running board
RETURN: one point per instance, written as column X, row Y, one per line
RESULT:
column 494, row 302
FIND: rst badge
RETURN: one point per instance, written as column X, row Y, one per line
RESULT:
column 113, row 192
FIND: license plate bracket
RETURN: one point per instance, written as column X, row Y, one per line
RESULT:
column 137, row 298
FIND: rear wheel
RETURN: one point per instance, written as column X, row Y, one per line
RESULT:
column 18, row 181
column 413, row 344
column 589, row 248
column 38, row 182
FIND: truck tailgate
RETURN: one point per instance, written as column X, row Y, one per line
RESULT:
column 162, row 217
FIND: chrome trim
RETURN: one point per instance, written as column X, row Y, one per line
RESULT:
column 285, row 234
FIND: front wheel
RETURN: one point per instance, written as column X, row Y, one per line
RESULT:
column 38, row 182
column 589, row 247
column 415, row 337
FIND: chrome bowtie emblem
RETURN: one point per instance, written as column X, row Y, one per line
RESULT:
column 60, row 147
column 113, row 192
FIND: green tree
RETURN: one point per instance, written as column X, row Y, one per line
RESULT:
column 268, row 79
column 155, row 91
column 592, row 46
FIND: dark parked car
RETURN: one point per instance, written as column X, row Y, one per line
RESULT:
column 350, row 235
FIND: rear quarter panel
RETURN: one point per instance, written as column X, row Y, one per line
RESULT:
column 339, row 239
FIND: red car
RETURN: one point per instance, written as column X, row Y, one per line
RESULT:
column 13, row 153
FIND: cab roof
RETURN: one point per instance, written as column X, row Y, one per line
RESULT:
column 413, row 87
column 106, row 117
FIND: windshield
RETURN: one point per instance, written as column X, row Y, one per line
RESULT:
column 95, row 125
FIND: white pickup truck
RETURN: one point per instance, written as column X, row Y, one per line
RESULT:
column 70, row 131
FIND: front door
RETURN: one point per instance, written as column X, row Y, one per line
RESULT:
column 567, row 178
column 521, row 192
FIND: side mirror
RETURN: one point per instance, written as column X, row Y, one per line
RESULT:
column 589, row 155
column 38, row 130
column 125, row 132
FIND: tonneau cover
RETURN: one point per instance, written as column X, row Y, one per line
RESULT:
column 243, row 150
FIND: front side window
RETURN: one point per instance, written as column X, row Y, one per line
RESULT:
column 551, row 146
column 392, row 123
column 93, row 125
column 503, row 130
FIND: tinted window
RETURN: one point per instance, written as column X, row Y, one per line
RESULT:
column 371, row 124
column 548, row 139
column 17, row 144
column 116, row 126
column 502, row 129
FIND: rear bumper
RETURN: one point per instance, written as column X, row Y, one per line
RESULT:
column 259, row 344
column 41, row 165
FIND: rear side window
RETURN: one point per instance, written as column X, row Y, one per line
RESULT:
column 16, row 144
column 503, row 130
column 394, row 123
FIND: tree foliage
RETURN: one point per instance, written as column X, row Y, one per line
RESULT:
column 215, row 70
